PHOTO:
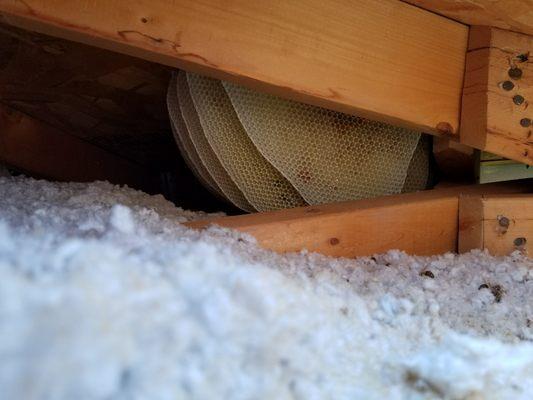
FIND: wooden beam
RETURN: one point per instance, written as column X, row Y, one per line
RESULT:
column 500, row 224
column 44, row 151
column 496, row 116
column 513, row 15
column 423, row 223
column 385, row 59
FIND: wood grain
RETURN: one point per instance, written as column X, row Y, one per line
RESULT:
column 513, row 15
column 383, row 59
column 484, row 227
column 33, row 147
column 423, row 223
column 490, row 118
column 111, row 100
column 470, row 234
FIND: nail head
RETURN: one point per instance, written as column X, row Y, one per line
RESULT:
column 525, row 122
column 515, row 73
column 518, row 100
column 507, row 85
column 520, row 241
column 503, row 222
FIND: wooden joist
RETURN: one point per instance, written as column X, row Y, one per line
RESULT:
column 496, row 116
column 513, row 15
column 34, row 147
column 500, row 224
column 422, row 223
column 384, row 59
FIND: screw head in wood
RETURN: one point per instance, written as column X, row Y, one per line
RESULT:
column 503, row 221
column 518, row 100
column 520, row 241
column 515, row 73
column 507, row 85
column 525, row 122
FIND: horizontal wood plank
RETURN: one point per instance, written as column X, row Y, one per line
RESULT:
column 385, row 59
column 513, row 15
column 41, row 150
column 422, row 223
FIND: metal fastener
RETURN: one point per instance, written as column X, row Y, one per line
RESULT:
column 507, row 85
column 503, row 221
column 525, row 122
column 515, row 73
column 520, row 241
column 517, row 99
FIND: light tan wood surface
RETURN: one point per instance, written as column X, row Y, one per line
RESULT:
column 514, row 15
column 381, row 59
column 498, row 223
column 493, row 118
column 423, row 223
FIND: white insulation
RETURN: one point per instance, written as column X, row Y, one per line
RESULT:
column 104, row 295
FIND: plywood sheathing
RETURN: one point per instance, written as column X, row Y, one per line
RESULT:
column 111, row 100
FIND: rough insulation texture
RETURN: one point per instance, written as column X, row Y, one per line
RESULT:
column 104, row 296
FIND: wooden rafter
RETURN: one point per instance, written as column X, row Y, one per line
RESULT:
column 382, row 59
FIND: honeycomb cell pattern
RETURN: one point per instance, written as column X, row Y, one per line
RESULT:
column 327, row 156
column 205, row 152
column 418, row 172
column 183, row 140
column 262, row 184
column 280, row 154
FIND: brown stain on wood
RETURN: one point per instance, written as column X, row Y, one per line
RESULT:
column 334, row 241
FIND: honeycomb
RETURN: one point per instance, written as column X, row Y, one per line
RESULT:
column 262, row 184
column 418, row 172
column 265, row 153
column 184, row 142
column 207, row 155
column 328, row 156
